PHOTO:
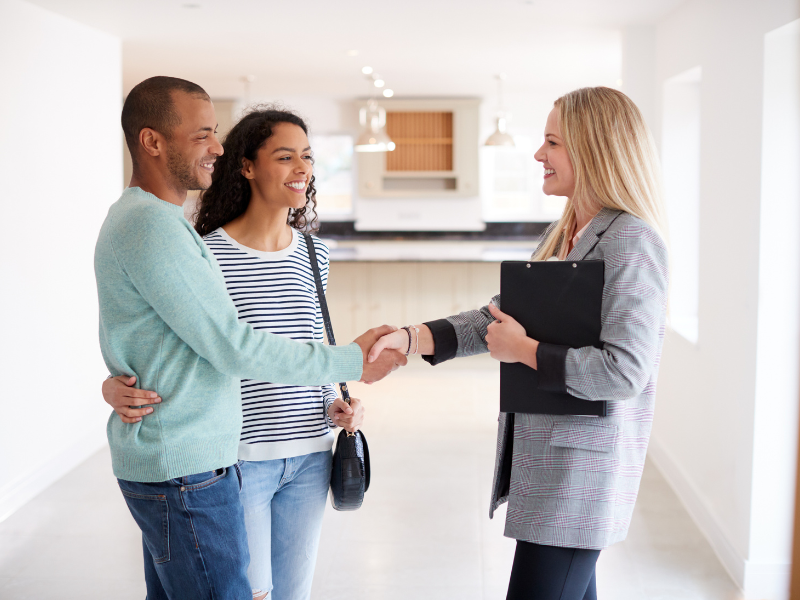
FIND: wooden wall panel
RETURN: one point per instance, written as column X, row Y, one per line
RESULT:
column 794, row 593
column 424, row 141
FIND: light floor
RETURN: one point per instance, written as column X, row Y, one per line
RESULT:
column 423, row 532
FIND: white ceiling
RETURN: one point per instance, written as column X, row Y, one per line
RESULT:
column 420, row 47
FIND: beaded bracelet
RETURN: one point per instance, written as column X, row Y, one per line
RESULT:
column 408, row 331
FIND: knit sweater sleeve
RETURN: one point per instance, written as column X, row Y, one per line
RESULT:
column 176, row 274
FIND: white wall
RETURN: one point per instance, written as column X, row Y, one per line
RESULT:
column 681, row 109
column 719, row 435
column 778, row 338
column 60, row 169
column 638, row 68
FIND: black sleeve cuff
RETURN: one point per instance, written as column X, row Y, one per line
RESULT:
column 551, row 367
column 445, row 342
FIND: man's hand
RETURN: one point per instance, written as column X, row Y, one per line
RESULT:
column 388, row 360
column 349, row 416
column 127, row 401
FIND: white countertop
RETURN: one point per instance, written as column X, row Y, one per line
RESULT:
column 430, row 251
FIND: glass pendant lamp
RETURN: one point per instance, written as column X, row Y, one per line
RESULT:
column 500, row 137
column 373, row 136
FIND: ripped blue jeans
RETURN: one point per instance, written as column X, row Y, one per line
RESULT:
column 284, row 501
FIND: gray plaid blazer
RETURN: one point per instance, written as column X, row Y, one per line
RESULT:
column 574, row 480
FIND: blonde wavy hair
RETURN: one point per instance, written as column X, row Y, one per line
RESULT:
column 614, row 159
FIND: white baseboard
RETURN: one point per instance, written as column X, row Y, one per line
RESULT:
column 22, row 490
column 757, row 581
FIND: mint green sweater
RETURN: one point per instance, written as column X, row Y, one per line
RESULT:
column 166, row 317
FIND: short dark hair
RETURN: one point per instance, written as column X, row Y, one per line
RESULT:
column 150, row 104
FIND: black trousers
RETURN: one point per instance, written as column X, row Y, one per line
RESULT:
column 551, row 573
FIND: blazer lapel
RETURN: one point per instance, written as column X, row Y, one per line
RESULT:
column 601, row 221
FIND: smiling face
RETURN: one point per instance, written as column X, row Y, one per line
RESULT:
column 559, row 176
column 282, row 168
column 192, row 147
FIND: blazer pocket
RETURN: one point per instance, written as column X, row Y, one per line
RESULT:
column 598, row 438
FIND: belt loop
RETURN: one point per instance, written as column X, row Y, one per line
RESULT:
column 238, row 474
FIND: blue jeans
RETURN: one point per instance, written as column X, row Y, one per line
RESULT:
column 195, row 545
column 284, row 500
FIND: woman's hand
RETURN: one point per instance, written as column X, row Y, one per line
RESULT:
column 508, row 341
column 397, row 340
column 126, row 400
column 348, row 416
column 422, row 342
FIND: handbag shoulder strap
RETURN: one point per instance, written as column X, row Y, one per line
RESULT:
column 323, row 304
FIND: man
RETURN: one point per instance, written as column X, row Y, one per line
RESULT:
column 166, row 317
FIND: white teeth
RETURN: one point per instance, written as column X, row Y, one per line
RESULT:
column 297, row 185
column 549, row 172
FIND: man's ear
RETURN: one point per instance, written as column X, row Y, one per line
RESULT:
column 247, row 169
column 151, row 141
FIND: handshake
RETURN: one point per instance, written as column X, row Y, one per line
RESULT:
column 381, row 348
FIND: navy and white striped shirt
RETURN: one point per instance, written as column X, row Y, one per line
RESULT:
column 275, row 292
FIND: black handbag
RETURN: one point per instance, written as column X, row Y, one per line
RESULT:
column 350, row 472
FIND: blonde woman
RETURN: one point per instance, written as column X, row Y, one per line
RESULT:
column 571, row 482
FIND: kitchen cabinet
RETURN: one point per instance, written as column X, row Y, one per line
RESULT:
column 436, row 154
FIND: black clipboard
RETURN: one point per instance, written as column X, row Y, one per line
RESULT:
column 558, row 302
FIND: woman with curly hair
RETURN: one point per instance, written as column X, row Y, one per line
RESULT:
column 261, row 198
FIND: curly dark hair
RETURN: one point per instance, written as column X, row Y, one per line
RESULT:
column 229, row 193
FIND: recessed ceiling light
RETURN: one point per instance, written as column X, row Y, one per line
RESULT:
column 366, row 70
column 379, row 83
column 388, row 93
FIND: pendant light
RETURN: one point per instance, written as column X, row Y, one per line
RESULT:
column 500, row 137
column 373, row 136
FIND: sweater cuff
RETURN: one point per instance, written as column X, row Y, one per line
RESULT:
column 327, row 400
column 551, row 367
column 445, row 342
column 348, row 362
